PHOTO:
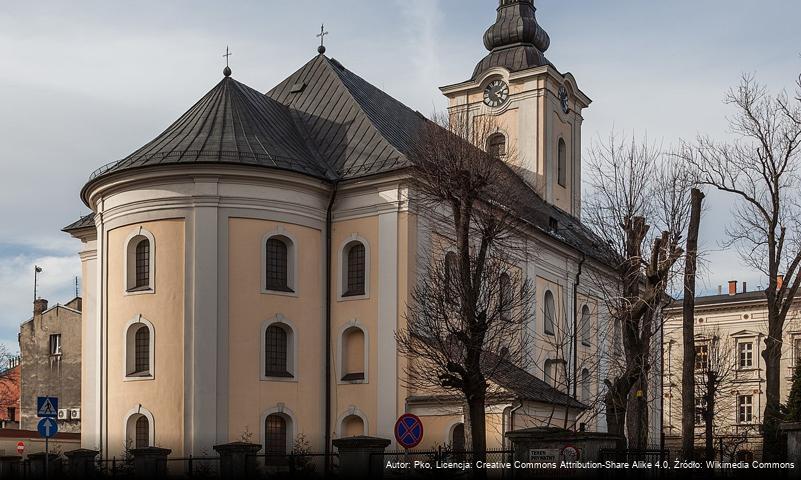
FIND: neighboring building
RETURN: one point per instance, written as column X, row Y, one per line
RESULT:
column 205, row 255
column 9, row 395
column 50, row 351
column 730, row 331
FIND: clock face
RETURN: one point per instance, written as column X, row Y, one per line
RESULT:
column 496, row 93
column 564, row 99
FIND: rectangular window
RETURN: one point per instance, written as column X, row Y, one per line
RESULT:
column 746, row 354
column 745, row 409
column 12, row 414
column 55, row 344
column 700, row 406
column 701, row 357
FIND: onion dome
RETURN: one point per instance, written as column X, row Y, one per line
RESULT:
column 516, row 41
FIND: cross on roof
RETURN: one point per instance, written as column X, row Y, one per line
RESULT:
column 227, row 54
column 321, row 36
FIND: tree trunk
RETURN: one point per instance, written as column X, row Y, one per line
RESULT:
column 709, row 432
column 772, row 442
column 478, row 431
column 688, row 330
column 637, row 418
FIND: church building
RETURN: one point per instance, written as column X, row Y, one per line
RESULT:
column 246, row 271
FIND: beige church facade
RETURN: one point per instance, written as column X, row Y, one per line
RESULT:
column 246, row 271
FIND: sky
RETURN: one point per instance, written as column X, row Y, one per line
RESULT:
column 85, row 83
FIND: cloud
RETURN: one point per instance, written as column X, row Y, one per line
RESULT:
column 56, row 284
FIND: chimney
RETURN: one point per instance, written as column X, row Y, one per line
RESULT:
column 779, row 281
column 720, row 289
column 745, row 287
column 39, row 306
column 732, row 287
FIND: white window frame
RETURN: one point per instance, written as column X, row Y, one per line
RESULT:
column 291, row 351
column 342, row 353
column 129, row 425
column 741, row 406
column 291, row 262
column 343, row 268
column 129, row 262
column 129, row 349
column 740, row 351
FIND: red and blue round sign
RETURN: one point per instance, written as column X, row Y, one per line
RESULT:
column 409, row 431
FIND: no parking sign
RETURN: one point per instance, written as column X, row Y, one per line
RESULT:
column 409, row 431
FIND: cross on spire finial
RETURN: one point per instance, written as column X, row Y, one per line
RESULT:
column 227, row 69
column 321, row 36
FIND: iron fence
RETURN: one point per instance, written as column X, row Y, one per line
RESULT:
column 193, row 467
column 295, row 465
column 633, row 455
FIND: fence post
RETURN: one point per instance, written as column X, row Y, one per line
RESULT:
column 10, row 466
column 150, row 462
column 81, row 463
column 361, row 457
column 792, row 434
column 237, row 459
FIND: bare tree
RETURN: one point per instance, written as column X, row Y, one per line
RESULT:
column 714, row 367
column 688, row 328
column 470, row 303
column 9, row 381
column 760, row 167
column 634, row 187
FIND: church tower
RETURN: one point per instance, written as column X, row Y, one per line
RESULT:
column 537, row 109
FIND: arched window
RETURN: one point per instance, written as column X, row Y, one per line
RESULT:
column 139, row 262
column 275, row 434
column 142, row 264
column 496, row 145
column 142, row 350
column 352, row 426
column 276, row 352
column 278, row 264
column 505, row 294
column 561, row 165
column 549, row 313
column 458, row 438
column 353, row 355
column 585, row 386
column 142, row 432
column 355, row 267
column 139, row 428
column 585, row 325
column 139, row 349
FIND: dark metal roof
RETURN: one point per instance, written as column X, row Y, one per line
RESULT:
column 326, row 122
column 86, row 221
column 515, row 41
column 233, row 124
column 524, row 385
column 358, row 129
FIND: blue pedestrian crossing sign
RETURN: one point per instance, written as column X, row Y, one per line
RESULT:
column 47, row 407
column 47, row 427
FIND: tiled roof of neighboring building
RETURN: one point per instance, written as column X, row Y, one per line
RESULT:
column 724, row 299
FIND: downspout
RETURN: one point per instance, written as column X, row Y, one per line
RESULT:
column 512, row 420
column 575, row 325
column 328, row 223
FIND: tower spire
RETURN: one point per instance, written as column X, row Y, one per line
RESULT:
column 515, row 41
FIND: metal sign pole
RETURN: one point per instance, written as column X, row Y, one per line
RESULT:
column 47, row 456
